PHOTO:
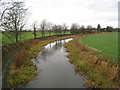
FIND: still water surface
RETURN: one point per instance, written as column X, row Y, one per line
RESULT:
column 55, row 71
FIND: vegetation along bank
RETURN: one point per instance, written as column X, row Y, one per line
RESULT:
column 22, row 70
column 100, row 71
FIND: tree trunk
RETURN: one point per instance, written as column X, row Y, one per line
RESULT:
column 16, row 36
column 34, row 33
column 49, row 33
column 64, row 31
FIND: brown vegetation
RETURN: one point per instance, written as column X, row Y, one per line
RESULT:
column 20, row 58
column 99, row 71
column 26, row 70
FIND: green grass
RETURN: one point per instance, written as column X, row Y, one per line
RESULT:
column 17, row 77
column 23, row 75
column 99, row 72
column 0, row 38
column 107, row 43
column 7, row 38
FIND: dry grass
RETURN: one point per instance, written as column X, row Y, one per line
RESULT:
column 36, row 41
column 20, row 58
column 26, row 70
column 99, row 71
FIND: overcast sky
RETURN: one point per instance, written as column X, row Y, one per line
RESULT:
column 83, row 12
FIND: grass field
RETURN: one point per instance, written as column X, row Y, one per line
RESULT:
column 8, row 38
column 107, row 43
column 98, row 70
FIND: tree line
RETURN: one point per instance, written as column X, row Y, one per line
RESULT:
column 76, row 29
column 13, row 20
column 49, row 27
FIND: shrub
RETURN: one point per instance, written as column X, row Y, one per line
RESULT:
column 20, row 58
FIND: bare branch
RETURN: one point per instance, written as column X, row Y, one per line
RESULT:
column 13, row 18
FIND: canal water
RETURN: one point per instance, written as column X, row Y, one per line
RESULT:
column 55, row 71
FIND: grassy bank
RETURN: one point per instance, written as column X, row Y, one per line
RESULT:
column 107, row 43
column 99, row 71
column 22, row 70
column 7, row 38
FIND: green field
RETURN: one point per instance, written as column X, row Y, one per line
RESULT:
column 7, row 38
column 107, row 43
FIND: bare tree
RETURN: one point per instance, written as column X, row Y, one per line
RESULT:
column 82, row 29
column 13, row 18
column 89, row 29
column 74, row 28
column 43, row 26
column 54, row 28
column 57, row 29
column 49, row 27
column 64, row 26
column 34, row 29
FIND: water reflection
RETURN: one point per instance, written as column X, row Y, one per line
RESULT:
column 51, row 49
column 55, row 70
